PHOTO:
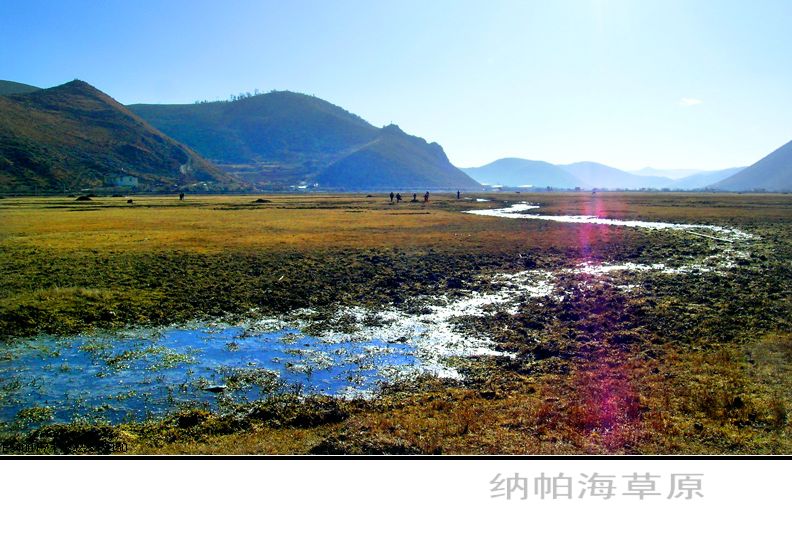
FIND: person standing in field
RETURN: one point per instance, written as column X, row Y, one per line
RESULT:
column 458, row 193
column 426, row 197
column 398, row 197
column 181, row 196
column 391, row 197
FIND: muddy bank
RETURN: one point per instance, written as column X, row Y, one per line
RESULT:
column 65, row 293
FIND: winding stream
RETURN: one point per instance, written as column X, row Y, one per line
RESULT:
column 518, row 211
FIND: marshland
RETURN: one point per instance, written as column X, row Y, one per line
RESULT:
column 346, row 324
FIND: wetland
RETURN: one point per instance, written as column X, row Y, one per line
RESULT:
column 615, row 323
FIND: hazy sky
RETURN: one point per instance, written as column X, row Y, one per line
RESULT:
column 667, row 83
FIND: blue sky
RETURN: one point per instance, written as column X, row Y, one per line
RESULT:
column 687, row 84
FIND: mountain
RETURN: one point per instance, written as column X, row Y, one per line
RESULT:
column 686, row 179
column 517, row 172
column 673, row 173
column 281, row 138
column 278, row 126
column 705, row 179
column 7, row 87
column 395, row 158
column 74, row 136
column 595, row 175
column 772, row 173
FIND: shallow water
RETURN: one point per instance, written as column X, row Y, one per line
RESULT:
column 138, row 374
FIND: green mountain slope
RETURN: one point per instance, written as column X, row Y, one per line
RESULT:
column 275, row 126
column 8, row 87
column 281, row 138
column 772, row 173
column 74, row 136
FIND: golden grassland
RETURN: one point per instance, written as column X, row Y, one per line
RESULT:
column 693, row 364
column 215, row 223
column 208, row 224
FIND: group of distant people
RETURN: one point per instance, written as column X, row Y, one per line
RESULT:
column 398, row 197
column 393, row 196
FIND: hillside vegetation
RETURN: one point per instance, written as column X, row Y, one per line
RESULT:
column 8, row 87
column 74, row 136
column 277, row 126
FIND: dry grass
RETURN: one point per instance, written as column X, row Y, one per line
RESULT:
column 260, row 441
column 693, row 403
column 216, row 223
column 220, row 223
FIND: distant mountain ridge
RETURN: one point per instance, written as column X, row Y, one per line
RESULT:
column 671, row 173
column 706, row 179
column 772, row 173
column 596, row 175
column 278, row 138
column 74, row 136
column 524, row 173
